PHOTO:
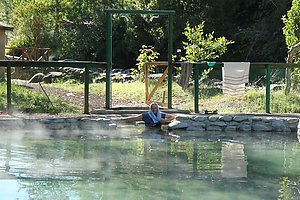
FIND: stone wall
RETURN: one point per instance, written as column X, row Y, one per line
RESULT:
column 236, row 123
column 93, row 123
column 186, row 122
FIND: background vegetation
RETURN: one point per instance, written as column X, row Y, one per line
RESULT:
column 31, row 101
column 76, row 29
column 245, row 30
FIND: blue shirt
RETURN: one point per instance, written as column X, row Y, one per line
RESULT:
column 149, row 122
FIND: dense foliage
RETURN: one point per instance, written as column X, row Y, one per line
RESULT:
column 77, row 29
column 292, row 37
column 200, row 46
column 292, row 23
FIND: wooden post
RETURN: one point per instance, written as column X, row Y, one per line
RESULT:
column 164, row 96
column 160, row 63
column 8, row 88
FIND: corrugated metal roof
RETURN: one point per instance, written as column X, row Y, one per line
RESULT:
column 6, row 26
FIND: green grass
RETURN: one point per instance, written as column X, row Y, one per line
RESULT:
column 210, row 98
column 253, row 101
column 29, row 101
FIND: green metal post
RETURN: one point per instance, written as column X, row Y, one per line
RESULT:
column 8, row 87
column 170, row 67
column 109, row 59
column 196, row 88
column 109, row 13
column 268, row 90
column 86, row 90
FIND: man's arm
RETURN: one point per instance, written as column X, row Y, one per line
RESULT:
column 168, row 119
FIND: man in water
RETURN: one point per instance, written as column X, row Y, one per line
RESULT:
column 154, row 117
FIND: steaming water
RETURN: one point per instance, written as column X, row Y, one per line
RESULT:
column 134, row 164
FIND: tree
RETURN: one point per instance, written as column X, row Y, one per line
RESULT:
column 292, row 39
column 6, row 8
column 23, row 18
column 254, row 25
column 77, row 29
column 201, row 46
column 291, row 29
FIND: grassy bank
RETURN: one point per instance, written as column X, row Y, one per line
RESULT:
column 30, row 101
column 211, row 98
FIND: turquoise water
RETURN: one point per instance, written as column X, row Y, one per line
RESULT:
column 137, row 164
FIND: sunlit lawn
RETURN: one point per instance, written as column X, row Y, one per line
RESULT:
column 253, row 101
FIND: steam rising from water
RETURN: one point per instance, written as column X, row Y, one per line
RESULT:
column 130, row 160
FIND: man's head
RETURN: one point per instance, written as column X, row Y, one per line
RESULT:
column 154, row 108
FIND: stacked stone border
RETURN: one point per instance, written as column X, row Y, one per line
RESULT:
column 76, row 123
column 236, row 123
column 189, row 122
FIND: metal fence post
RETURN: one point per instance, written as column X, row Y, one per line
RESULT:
column 8, row 87
column 86, row 90
column 170, row 67
column 268, row 90
column 108, row 59
column 196, row 88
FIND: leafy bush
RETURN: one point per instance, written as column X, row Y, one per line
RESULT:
column 200, row 46
column 292, row 34
column 147, row 54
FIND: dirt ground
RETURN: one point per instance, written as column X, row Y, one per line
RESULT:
column 96, row 101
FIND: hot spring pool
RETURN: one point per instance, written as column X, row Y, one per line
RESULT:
column 136, row 164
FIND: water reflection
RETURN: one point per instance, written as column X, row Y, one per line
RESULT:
column 234, row 161
column 8, row 155
column 149, row 165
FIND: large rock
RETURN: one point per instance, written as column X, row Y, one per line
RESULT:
column 198, row 124
column 214, row 128
column 292, row 120
column 268, row 119
column 181, row 117
column 262, row 127
column 278, row 125
column 213, row 118
column 230, row 128
column 194, row 128
column 51, row 76
column 177, row 125
column 245, row 127
column 199, row 118
column 221, row 124
column 226, row 118
column 240, row 118
column 37, row 78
